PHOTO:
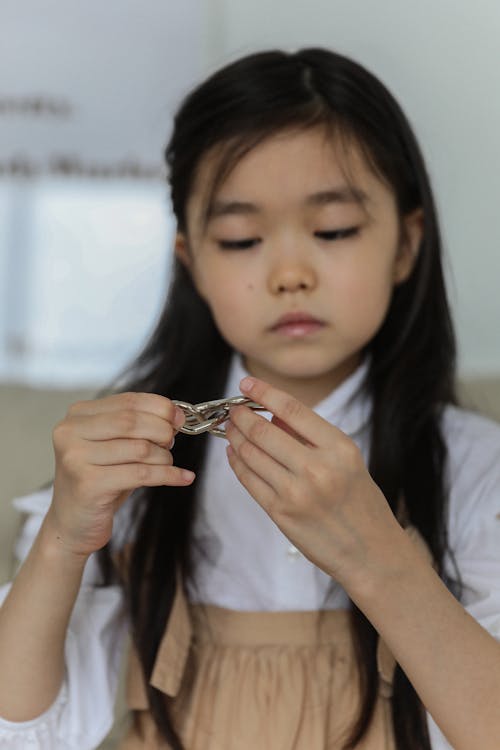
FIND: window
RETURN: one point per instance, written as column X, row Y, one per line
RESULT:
column 85, row 269
column 87, row 93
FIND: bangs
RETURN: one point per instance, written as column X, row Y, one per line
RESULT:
column 222, row 158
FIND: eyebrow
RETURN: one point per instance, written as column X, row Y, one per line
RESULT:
column 335, row 195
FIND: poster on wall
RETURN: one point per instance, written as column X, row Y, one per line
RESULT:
column 87, row 89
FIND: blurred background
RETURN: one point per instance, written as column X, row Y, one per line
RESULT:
column 87, row 91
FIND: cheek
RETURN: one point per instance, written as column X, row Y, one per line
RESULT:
column 369, row 271
column 232, row 320
column 222, row 278
column 361, row 281
column 231, row 303
column 361, row 293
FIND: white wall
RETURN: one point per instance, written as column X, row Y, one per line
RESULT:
column 441, row 58
column 111, row 72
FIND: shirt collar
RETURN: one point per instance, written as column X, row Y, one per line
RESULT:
column 348, row 406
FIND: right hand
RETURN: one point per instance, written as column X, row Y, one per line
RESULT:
column 105, row 449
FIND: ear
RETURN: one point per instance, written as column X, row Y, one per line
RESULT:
column 183, row 253
column 181, row 249
column 412, row 232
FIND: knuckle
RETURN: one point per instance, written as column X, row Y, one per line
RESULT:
column 75, row 408
column 294, row 494
column 142, row 449
column 128, row 422
column 292, row 409
column 271, row 508
column 289, row 492
column 247, row 450
column 317, row 473
column 61, row 434
column 169, row 435
column 58, row 431
column 131, row 400
column 70, row 460
column 258, row 429
column 350, row 455
column 277, row 509
column 143, row 474
column 244, row 475
column 263, row 390
column 168, row 408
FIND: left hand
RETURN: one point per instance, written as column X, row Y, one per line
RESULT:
column 312, row 481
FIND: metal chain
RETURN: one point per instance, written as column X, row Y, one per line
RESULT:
column 207, row 416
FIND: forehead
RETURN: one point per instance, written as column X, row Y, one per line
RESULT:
column 289, row 166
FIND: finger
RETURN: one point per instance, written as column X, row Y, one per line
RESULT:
column 152, row 403
column 262, row 492
column 112, row 452
column 268, row 437
column 303, row 420
column 114, row 479
column 261, row 463
column 124, row 424
column 279, row 423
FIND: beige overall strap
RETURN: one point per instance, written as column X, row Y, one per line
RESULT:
column 170, row 659
column 174, row 646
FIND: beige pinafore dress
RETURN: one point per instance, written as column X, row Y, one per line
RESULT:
column 259, row 681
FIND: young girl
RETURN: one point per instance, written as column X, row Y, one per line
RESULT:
column 296, row 593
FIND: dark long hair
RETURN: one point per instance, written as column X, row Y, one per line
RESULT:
column 412, row 357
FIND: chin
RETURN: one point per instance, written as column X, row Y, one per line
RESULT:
column 306, row 368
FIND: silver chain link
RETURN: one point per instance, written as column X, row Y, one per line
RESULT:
column 207, row 416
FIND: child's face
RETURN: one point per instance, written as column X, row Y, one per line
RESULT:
column 278, row 205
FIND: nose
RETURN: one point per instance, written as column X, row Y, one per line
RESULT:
column 292, row 277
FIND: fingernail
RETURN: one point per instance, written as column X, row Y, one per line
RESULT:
column 188, row 476
column 179, row 417
column 247, row 384
column 171, row 444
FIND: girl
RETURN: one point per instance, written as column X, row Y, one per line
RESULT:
column 297, row 593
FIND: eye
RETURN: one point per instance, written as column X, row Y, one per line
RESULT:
column 337, row 234
column 244, row 244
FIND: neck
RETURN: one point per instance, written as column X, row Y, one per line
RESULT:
column 309, row 390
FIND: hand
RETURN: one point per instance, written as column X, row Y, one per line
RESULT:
column 312, row 481
column 105, row 449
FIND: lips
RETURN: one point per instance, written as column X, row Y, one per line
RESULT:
column 296, row 318
column 297, row 324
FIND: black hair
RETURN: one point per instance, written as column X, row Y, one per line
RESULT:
column 411, row 371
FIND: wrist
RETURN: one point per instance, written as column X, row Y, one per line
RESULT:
column 53, row 548
column 389, row 569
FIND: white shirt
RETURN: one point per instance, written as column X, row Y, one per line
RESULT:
column 251, row 565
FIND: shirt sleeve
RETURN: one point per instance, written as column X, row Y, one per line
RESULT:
column 83, row 712
column 474, row 524
column 474, row 519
